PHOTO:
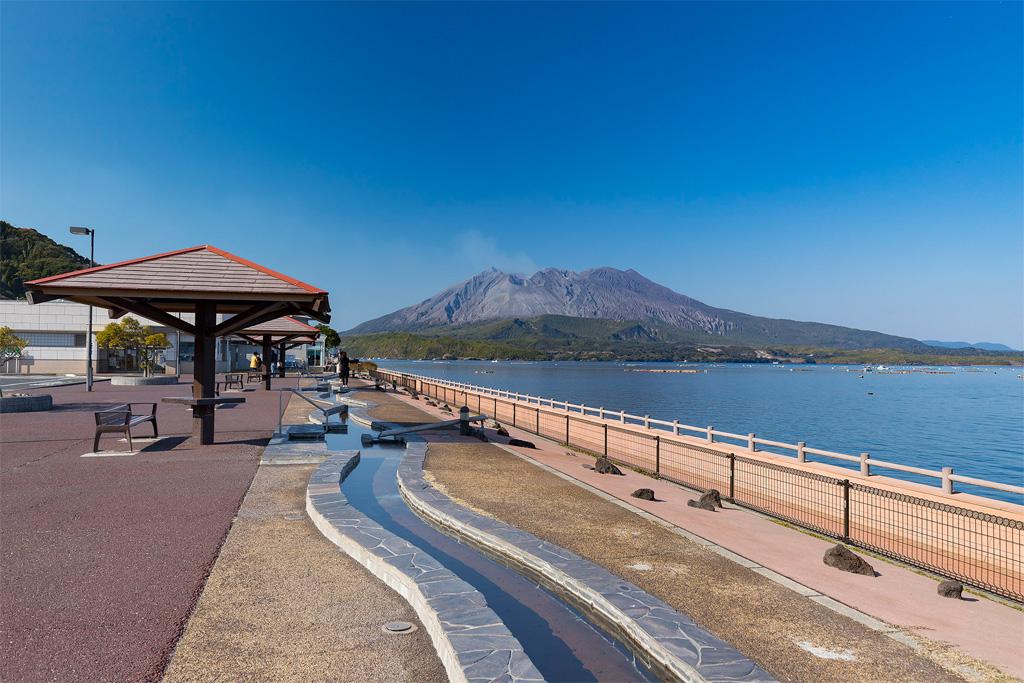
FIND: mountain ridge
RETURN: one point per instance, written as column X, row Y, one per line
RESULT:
column 615, row 295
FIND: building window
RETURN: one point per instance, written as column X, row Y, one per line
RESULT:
column 53, row 339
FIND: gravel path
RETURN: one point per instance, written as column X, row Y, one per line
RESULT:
column 285, row 604
column 790, row 636
column 391, row 409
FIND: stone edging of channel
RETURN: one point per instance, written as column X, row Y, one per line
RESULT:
column 470, row 639
column 668, row 642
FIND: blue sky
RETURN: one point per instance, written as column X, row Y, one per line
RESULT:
column 858, row 164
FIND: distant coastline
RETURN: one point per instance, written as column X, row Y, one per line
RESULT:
column 408, row 346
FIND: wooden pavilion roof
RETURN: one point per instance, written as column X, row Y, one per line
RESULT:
column 285, row 328
column 174, row 282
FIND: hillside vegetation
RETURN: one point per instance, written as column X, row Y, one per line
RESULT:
column 27, row 255
column 566, row 338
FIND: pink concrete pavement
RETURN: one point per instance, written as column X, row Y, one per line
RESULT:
column 979, row 627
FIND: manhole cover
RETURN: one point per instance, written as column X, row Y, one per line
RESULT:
column 399, row 627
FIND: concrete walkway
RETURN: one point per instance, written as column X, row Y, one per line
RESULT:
column 958, row 633
column 284, row 604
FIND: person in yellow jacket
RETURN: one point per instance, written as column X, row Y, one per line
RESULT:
column 255, row 362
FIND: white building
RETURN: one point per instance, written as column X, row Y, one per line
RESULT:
column 56, row 333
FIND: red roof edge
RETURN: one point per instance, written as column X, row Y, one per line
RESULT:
column 299, row 322
column 264, row 269
column 96, row 269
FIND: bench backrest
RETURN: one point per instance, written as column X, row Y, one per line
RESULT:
column 116, row 415
column 232, row 375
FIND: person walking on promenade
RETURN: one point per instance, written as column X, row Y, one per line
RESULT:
column 343, row 367
column 255, row 362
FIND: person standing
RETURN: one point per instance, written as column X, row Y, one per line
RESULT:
column 255, row 362
column 344, row 368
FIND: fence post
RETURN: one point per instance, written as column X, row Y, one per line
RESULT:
column 865, row 468
column 514, row 413
column 647, row 421
column 711, row 434
column 567, row 428
column 675, row 427
column 732, row 476
column 600, row 412
column 495, row 414
column 622, row 416
column 947, row 483
column 800, row 455
column 846, row 510
column 605, row 439
column 751, row 446
column 537, row 422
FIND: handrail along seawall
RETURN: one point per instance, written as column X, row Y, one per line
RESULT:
column 917, row 524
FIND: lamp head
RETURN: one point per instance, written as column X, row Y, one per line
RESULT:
column 80, row 231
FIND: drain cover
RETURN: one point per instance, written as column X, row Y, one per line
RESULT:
column 399, row 627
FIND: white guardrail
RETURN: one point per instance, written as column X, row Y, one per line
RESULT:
column 709, row 434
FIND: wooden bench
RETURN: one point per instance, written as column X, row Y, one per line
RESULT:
column 231, row 380
column 121, row 418
column 254, row 376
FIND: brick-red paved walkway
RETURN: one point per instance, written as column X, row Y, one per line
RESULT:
column 102, row 559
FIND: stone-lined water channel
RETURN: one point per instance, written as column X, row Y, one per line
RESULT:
column 563, row 644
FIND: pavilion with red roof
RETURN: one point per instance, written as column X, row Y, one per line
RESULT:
column 283, row 333
column 204, row 281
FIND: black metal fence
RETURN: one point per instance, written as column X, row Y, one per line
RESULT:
column 977, row 548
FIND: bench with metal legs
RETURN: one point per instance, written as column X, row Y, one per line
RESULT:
column 120, row 419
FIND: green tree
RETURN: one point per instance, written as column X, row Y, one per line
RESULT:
column 331, row 338
column 133, row 336
column 11, row 347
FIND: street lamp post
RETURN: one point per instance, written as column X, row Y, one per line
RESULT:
column 88, row 337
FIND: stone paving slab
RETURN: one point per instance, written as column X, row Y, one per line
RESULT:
column 679, row 648
column 472, row 642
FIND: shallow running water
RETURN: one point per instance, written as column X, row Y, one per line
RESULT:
column 562, row 644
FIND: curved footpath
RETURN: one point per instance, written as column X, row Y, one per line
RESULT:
column 472, row 642
column 667, row 642
column 794, row 631
column 283, row 604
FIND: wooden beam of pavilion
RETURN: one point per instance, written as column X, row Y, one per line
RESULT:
column 276, row 333
column 203, row 280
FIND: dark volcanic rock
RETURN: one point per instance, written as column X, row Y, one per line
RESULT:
column 501, row 431
column 709, row 500
column 951, row 589
column 643, row 494
column 606, row 466
column 521, row 443
column 840, row 557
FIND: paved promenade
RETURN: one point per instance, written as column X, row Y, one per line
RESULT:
column 961, row 634
column 283, row 603
column 104, row 558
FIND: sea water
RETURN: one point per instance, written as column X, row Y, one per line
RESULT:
column 971, row 419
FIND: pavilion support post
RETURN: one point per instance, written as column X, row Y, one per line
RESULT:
column 280, row 360
column 204, row 382
column 267, row 350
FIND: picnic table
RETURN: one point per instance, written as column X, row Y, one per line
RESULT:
column 202, row 410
